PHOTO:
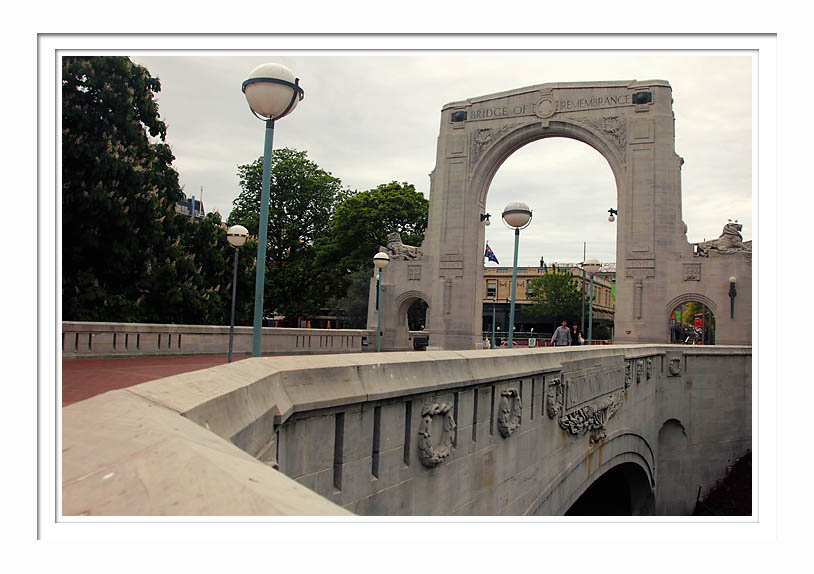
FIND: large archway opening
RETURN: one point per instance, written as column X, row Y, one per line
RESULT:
column 622, row 491
column 570, row 186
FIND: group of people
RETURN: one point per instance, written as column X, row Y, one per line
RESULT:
column 564, row 336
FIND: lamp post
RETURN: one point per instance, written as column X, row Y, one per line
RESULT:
column 517, row 216
column 591, row 266
column 732, row 294
column 236, row 236
column 494, row 299
column 272, row 92
column 380, row 260
column 612, row 212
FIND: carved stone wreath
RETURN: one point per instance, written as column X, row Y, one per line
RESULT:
column 430, row 455
column 511, row 411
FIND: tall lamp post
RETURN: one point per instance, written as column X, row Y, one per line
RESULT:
column 380, row 260
column 732, row 294
column 591, row 266
column 236, row 236
column 517, row 216
column 494, row 299
column 272, row 92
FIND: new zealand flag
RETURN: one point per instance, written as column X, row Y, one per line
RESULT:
column 490, row 254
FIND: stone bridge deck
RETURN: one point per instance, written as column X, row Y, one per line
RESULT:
column 514, row 432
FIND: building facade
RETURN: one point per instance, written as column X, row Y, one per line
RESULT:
column 497, row 292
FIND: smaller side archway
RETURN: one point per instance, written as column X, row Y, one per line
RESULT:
column 691, row 319
column 408, row 300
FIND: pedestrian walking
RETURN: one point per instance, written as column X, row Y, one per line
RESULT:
column 562, row 336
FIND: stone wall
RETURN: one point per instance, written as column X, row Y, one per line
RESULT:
column 87, row 339
column 435, row 433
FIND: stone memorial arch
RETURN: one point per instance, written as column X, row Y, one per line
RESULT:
column 631, row 123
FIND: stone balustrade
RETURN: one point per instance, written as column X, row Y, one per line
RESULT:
column 89, row 339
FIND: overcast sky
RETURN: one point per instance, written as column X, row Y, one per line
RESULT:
column 371, row 119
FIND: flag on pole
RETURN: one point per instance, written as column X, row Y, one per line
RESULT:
column 490, row 254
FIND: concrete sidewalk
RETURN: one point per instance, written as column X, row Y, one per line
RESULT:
column 85, row 378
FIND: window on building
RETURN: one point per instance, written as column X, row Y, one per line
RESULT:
column 491, row 288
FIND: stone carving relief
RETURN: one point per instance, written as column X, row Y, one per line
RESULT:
column 429, row 454
column 628, row 373
column 675, row 366
column 649, row 368
column 592, row 417
column 639, row 369
column 511, row 411
column 483, row 137
column 398, row 250
column 729, row 242
column 613, row 126
column 554, row 398
column 692, row 271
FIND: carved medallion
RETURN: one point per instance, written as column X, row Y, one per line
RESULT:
column 675, row 366
column 429, row 454
column 649, row 368
column 511, row 411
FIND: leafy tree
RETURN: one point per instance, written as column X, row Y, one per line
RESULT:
column 303, row 197
column 118, row 192
column 363, row 221
column 555, row 295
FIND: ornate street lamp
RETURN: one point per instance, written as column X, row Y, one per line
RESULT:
column 517, row 216
column 272, row 92
column 380, row 260
column 732, row 294
column 236, row 236
column 612, row 212
column 591, row 266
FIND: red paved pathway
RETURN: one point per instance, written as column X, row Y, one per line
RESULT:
column 85, row 378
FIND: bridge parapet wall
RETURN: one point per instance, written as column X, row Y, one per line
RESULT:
column 92, row 339
column 509, row 432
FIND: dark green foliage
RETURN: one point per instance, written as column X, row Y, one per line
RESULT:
column 118, row 191
column 556, row 296
column 362, row 222
column 127, row 255
column 302, row 199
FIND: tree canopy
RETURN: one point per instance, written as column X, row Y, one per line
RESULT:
column 127, row 255
column 303, row 197
column 555, row 295
column 363, row 221
column 118, row 191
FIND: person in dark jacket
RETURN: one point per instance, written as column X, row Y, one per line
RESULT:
column 576, row 335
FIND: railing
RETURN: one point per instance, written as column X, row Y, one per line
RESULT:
column 87, row 339
column 521, row 339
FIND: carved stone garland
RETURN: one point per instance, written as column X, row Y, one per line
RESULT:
column 649, row 368
column 639, row 369
column 430, row 455
column 509, row 417
column 591, row 417
column 628, row 373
